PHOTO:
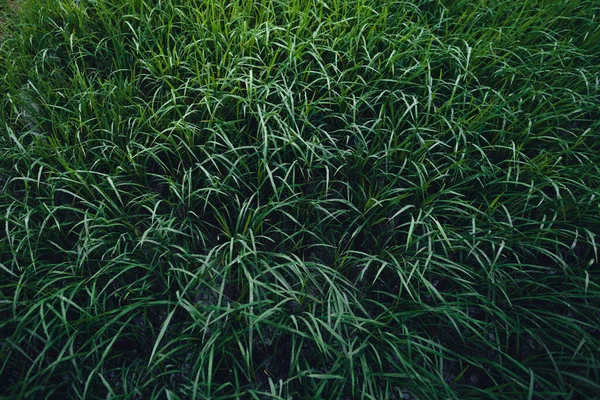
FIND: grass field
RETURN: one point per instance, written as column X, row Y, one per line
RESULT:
column 286, row 199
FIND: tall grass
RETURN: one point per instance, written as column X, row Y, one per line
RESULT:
column 300, row 199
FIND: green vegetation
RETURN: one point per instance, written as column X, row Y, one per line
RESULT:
column 8, row 10
column 277, row 199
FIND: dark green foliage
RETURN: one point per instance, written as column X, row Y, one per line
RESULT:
column 300, row 199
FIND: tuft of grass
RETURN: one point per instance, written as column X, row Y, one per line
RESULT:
column 300, row 199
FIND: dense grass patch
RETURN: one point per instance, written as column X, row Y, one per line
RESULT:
column 300, row 199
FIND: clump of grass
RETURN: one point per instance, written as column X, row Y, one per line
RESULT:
column 300, row 199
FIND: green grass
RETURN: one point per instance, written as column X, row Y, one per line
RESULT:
column 277, row 199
